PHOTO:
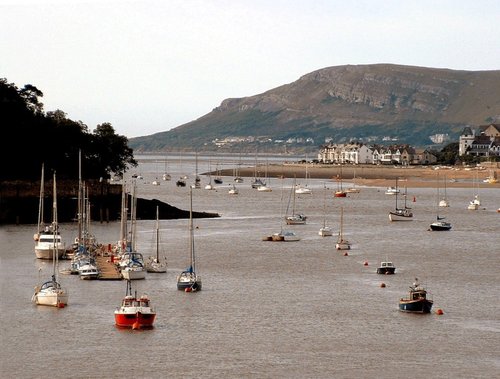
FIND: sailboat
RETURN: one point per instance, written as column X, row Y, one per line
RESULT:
column 233, row 190
column 294, row 218
column 342, row 243
column 166, row 176
column 444, row 201
column 132, row 262
column 154, row 264
column 340, row 191
column 181, row 182
column 439, row 224
column 475, row 202
column 51, row 292
column 218, row 179
column 325, row 231
column 400, row 214
column 304, row 190
column 188, row 280
column 257, row 182
column 134, row 312
column 48, row 238
column 209, row 186
column 237, row 177
column 354, row 188
column 197, row 180
column 282, row 235
column 265, row 186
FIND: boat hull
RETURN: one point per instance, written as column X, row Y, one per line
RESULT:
column 395, row 216
column 340, row 194
column 131, row 274
column 440, row 226
column 48, row 252
column 194, row 285
column 415, row 306
column 325, row 232
column 343, row 246
column 386, row 270
column 51, row 298
column 134, row 320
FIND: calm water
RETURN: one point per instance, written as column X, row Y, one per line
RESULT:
column 268, row 309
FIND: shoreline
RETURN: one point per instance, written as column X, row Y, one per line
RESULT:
column 375, row 176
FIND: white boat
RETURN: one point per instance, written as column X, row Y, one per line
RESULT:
column 48, row 240
column 304, row 190
column 135, row 312
column 325, row 231
column 475, row 203
column 188, row 280
column 354, row 188
column 400, row 214
column 156, row 264
column 342, row 243
column 132, row 262
column 51, row 292
column 391, row 191
column 88, row 270
column 444, row 201
column 264, row 188
column 166, row 176
column 233, row 190
column 285, row 236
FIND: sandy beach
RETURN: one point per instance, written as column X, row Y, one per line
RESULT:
column 379, row 176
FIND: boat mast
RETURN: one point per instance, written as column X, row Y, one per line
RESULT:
column 157, row 233
column 191, row 231
column 54, row 231
column 40, row 204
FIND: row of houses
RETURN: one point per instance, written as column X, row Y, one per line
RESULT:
column 482, row 141
column 359, row 153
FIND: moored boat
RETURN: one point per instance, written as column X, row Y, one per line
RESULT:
column 418, row 300
column 386, row 268
column 135, row 312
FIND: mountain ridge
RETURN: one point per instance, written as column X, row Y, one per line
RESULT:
column 362, row 102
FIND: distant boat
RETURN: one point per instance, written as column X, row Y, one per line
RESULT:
column 475, row 202
column 342, row 243
column 444, row 201
column 294, row 218
column 340, row 191
column 386, row 268
column 325, row 231
column 188, row 280
column 439, row 224
column 134, row 312
column 299, row 190
column 156, row 264
column 51, row 292
column 233, row 190
column 417, row 301
column 282, row 235
column 354, row 188
column 181, row 182
column 391, row 191
column 400, row 214
column 48, row 238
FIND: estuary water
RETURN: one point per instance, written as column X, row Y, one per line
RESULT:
column 269, row 309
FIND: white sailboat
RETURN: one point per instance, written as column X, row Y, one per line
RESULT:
column 325, row 231
column 444, row 201
column 440, row 224
column 354, row 188
column 156, row 264
column 342, row 243
column 401, row 214
column 48, row 238
column 51, row 292
column 188, row 280
column 300, row 190
column 475, row 202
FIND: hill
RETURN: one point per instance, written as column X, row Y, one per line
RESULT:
column 371, row 103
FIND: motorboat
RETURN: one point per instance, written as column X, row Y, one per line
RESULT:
column 135, row 312
column 391, row 191
column 417, row 301
column 386, row 268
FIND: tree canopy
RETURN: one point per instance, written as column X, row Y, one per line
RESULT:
column 32, row 137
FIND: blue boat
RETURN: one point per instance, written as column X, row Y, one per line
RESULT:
column 417, row 300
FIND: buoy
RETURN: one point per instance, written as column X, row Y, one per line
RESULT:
column 365, row 263
column 382, row 285
column 439, row 311
column 345, row 254
column 188, row 289
column 135, row 325
column 60, row 305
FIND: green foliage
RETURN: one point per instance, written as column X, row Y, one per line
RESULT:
column 55, row 140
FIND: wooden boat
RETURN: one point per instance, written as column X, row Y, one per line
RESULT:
column 51, row 292
column 386, row 268
column 417, row 301
column 188, row 280
column 134, row 312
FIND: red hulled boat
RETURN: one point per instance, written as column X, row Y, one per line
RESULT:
column 134, row 312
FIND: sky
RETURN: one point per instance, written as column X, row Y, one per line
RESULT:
column 149, row 66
